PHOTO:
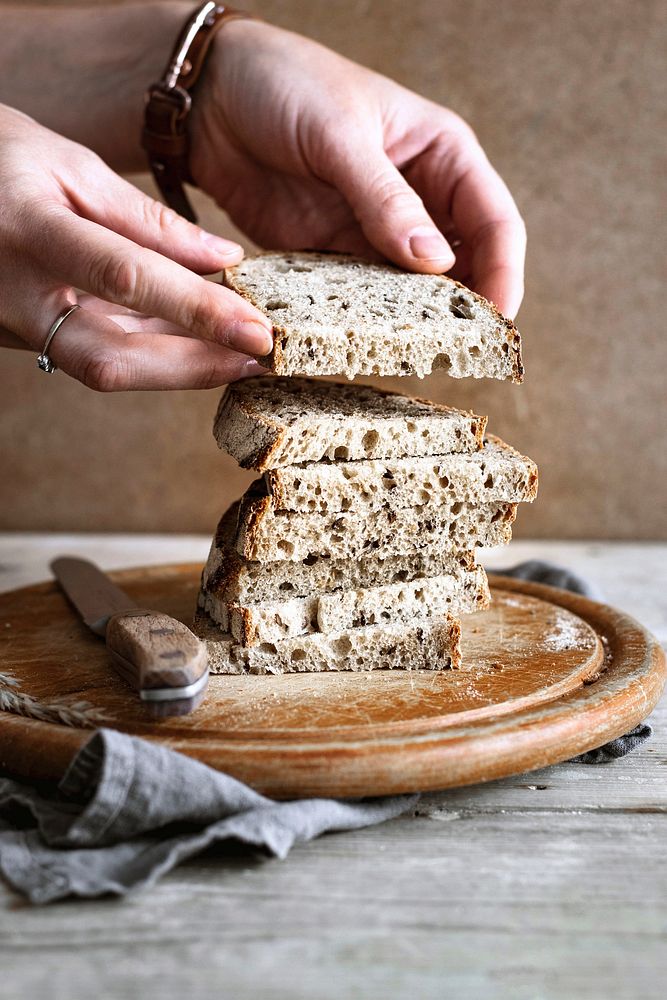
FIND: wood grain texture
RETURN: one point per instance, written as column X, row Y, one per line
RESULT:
column 519, row 703
column 550, row 885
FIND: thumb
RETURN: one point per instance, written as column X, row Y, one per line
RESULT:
column 390, row 212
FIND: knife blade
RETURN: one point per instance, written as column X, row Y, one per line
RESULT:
column 156, row 654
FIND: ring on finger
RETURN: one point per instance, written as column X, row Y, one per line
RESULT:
column 44, row 362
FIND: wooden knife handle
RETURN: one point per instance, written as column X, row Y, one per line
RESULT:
column 152, row 650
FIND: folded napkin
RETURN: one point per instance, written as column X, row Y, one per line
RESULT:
column 129, row 810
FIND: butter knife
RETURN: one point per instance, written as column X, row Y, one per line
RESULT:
column 157, row 655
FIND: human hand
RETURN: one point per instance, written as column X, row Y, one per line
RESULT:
column 147, row 321
column 305, row 149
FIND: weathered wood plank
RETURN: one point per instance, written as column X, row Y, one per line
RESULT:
column 535, row 905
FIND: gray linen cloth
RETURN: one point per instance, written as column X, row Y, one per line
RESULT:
column 129, row 810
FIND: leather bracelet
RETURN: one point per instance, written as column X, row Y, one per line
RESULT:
column 165, row 135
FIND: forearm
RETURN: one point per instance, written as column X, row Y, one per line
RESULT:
column 83, row 71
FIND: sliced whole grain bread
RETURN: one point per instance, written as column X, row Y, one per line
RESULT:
column 266, row 535
column 272, row 621
column 265, row 423
column 433, row 644
column 497, row 472
column 334, row 314
column 235, row 580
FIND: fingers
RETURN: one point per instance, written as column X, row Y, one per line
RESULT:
column 115, row 269
column 96, row 351
column 485, row 214
column 391, row 213
column 107, row 199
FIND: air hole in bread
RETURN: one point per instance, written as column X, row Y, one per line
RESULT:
column 488, row 482
column 460, row 307
column 370, row 440
column 342, row 645
column 298, row 654
column 444, row 482
column 411, row 427
column 286, row 547
column 342, row 452
column 286, row 586
column 276, row 304
column 268, row 647
column 475, row 351
column 456, row 509
column 442, row 361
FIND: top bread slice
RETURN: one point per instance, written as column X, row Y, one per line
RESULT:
column 268, row 423
column 334, row 314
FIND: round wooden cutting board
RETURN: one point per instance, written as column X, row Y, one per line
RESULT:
column 547, row 674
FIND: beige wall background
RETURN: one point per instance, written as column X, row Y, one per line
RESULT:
column 568, row 99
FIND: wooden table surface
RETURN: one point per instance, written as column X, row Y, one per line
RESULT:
column 548, row 885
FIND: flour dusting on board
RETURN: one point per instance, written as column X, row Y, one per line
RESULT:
column 566, row 632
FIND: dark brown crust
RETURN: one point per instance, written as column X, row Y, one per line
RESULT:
column 275, row 358
column 251, row 513
column 453, row 632
column 232, row 401
column 248, row 632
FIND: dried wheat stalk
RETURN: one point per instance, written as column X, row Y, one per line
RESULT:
column 78, row 713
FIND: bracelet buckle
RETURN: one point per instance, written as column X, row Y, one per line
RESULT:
column 169, row 102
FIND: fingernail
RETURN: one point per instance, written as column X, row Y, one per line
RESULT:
column 427, row 243
column 251, row 338
column 253, row 367
column 225, row 248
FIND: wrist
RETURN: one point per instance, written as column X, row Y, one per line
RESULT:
column 94, row 67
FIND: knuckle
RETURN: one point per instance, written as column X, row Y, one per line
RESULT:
column 114, row 278
column 459, row 128
column 104, row 372
column 393, row 194
column 158, row 216
column 200, row 312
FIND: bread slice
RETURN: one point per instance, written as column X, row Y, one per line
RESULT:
column 333, row 314
column 497, row 472
column 266, row 535
column 272, row 621
column 266, row 423
column 427, row 645
column 236, row 581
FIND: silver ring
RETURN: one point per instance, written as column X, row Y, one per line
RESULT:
column 44, row 362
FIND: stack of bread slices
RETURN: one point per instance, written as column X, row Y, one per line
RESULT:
column 356, row 548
